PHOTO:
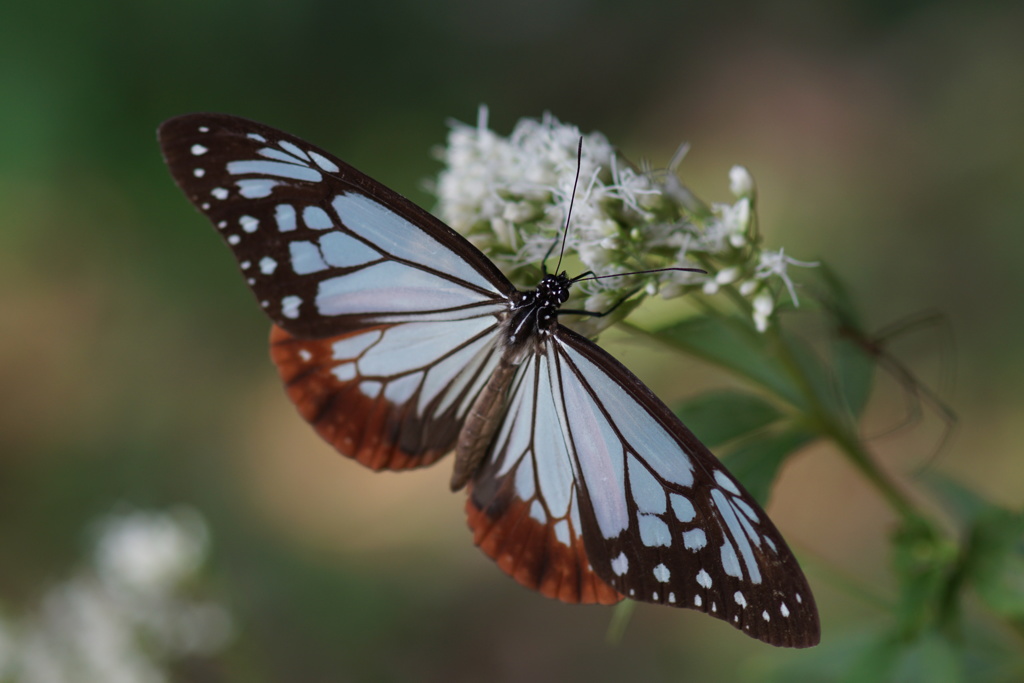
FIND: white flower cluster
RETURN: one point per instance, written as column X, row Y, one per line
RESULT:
column 511, row 195
column 123, row 619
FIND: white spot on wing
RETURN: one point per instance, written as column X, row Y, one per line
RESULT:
column 766, row 616
column 268, row 265
column 745, row 508
column 345, row 372
column 199, row 150
column 256, row 188
column 730, row 563
column 704, row 579
column 662, row 573
column 682, row 507
column 204, row 129
column 293, row 149
column 653, row 531
column 740, row 599
column 725, row 482
column 246, row 265
column 561, row 529
column 316, row 218
column 323, row 162
column 400, row 390
column 698, row 601
column 234, row 239
column 290, row 306
column 353, row 347
column 248, row 223
column 346, row 251
column 783, row 610
column 219, row 193
column 694, row 539
column 305, row 257
column 305, row 355
column 284, row 214
column 370, row 388
column 741, row 533
column 620, row 565
column 199, row 172
column 256, row 136
column 648, row 494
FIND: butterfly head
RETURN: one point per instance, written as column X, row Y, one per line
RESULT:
column 553, row 290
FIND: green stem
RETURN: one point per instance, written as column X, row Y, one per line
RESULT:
column 829, row 425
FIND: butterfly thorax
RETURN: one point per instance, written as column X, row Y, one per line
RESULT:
column 534, row 313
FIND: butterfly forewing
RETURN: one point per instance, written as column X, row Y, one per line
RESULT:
column 662, row 519
column 380, row 351
column 630, row 496
column 324, row 248
column 389, row 326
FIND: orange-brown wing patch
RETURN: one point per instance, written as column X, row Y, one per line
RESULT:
column 531, row 551
column 353, row 413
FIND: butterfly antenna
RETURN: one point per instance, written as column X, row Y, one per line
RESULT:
column 589, row 275
column 572, row 200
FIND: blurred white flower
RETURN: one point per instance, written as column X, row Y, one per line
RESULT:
column 150, row 552
column 741, row 183
column 776, row 263
column 763, row 307
column 510, row 196
column 124, row 618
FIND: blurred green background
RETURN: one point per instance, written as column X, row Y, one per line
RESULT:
column 886, row 138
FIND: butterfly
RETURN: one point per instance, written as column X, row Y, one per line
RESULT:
column 400, row 342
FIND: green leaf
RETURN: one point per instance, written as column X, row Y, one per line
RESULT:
column 757, row 460
column 855, row 374
column 819, row 379
column 959, row 502
column 836, row 299
column 924, row 562
column 996, row 561
column 853, row 364
column 721, row 416
column 737, row 346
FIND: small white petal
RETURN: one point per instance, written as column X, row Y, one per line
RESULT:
column 741, row 183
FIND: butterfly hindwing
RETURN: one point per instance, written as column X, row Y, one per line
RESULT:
column 523, row 504
column 392, row 396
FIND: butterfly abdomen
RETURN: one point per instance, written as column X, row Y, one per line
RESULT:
column 482, row 422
